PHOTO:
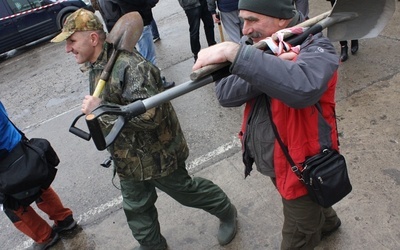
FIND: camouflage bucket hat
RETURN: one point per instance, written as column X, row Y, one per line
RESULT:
column 80, row 20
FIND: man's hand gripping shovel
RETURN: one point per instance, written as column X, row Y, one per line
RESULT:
column 124, row 36
column 348, row 20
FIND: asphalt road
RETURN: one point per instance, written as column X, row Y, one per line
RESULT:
column 42, row 87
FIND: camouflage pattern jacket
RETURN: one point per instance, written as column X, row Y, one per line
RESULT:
column 151, row 145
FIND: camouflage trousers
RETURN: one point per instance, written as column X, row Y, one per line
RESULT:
column 139, row 199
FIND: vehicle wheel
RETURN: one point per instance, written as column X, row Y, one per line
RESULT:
column 63, row 18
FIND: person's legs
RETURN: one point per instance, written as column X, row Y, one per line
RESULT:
column 146, row 46
column 50, row 203
column 30, row 223
column 343, row 51
column 141, row 213
column 354, row 46
column 332, row 222
column 232, row 24
column 343, row 43
column 194, row 192
column 154, row 31
column 203, row 194
column 208, row 22
column 193, row 16
column 303, row 220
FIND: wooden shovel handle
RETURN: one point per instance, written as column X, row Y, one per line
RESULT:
column 105, row 75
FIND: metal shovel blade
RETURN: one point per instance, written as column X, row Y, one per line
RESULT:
column 126, row 32
column 124, row 36
column 371, row 17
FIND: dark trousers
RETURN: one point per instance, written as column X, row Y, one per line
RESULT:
column 154, row 29
column 194, row 15
column 304, row 222
column 139, row 198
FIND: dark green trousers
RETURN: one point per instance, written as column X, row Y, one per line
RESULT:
column 139, row 199
column 304, row 220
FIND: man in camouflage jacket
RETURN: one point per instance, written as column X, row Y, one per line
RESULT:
column 151, row 150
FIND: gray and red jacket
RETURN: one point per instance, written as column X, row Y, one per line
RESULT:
column 302, row 94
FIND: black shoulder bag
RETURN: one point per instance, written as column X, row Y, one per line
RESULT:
column 324, row 175
column 27, row 169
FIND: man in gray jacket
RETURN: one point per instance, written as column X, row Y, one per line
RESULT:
column 299, row 85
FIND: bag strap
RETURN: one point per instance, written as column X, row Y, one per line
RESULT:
column 293, row 165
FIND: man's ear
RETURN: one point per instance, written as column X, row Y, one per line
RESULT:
column 94, row 38
column 283, row 23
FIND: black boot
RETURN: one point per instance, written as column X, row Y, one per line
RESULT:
column 228, row 226
column 354, row 46
column 343, row 53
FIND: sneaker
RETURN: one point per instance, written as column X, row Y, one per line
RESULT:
column 65, row 225
column 156, row 39
column 48, row 243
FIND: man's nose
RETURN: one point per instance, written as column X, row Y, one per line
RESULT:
column 246, row 29
column 68, row 48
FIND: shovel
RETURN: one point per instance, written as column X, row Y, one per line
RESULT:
column 123, row 36
column 348, row 20
column 221, row 32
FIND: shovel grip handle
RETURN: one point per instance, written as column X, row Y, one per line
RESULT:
column 77, row 131
column 96, row 131
column 99, row 88
column 80, row 133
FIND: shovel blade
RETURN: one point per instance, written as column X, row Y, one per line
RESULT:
column 369, row 18
column 126, row 32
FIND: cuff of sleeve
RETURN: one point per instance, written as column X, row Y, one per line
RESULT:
column 244, row 55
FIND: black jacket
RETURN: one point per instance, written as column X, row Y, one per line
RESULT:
column 112, row 10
